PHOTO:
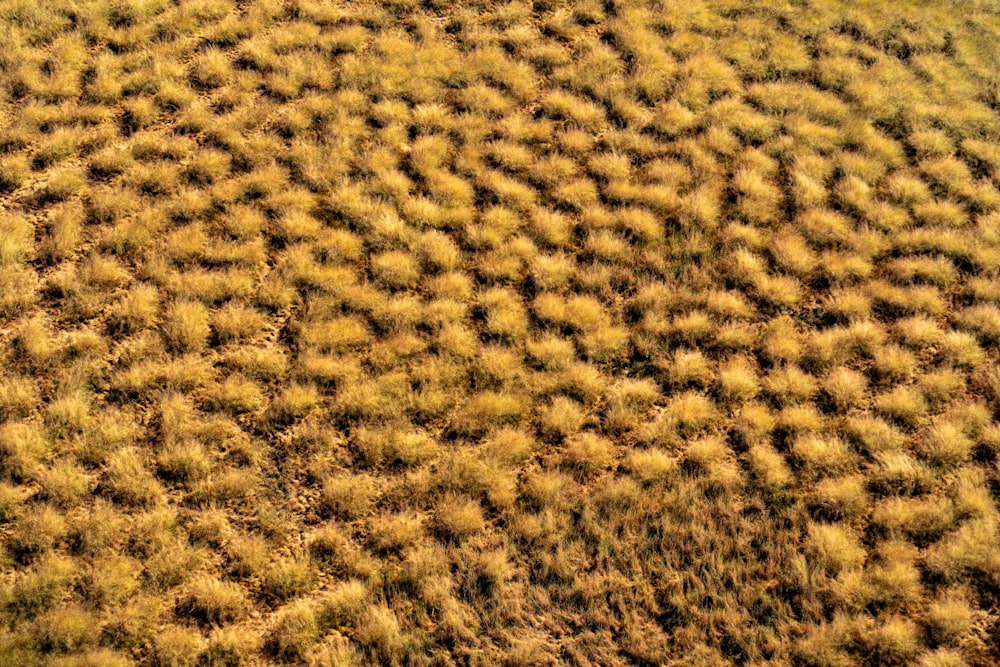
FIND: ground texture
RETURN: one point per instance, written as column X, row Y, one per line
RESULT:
column 430, row 333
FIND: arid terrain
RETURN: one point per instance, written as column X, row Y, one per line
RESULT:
column 429, row 333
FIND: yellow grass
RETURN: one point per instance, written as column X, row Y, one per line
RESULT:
column 407, row 332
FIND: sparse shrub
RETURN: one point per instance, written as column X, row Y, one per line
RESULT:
column 893, row 581
column 18, row 239
column 336, row 335
column 895, row 363
column 396, row 269
column 942, row 657
column 209, row 527
column 229, row 486
column 755, row 424
column 11, row 499
column 247, row 556
column 961, row 349
column 348, row 497
column 605, row 343
column 769, row 467
column 22, row 447
column 235, row 323
column 67, row 415
column 983, row 320
column 688, row 367
column 335, row 651
column 17, row 291
column 258, row 363
column 293, row 403
column 110, row 162
column 65, row 483
column 510, row 445
column 56, row 147
column 893, row 642
column 63, row 233
column 110, row 580
column 184, row 461
column 939, row 387
column 692, row 328
column 343, row 604
column 651, row 466
column 552, row 352
column 704, row 453
column 627, row 402
column 42, row 587
column 945, row 444
column 140, row 113
column 211, row 69
column 922, row 520
column 782, row 342
column 898, row 472
column 919, row 332
column 332, row 548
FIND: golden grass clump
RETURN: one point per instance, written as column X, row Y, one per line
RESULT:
column 138, row 309
column 212, row 601
column 505, row 315
column 845, row 388
column 186, row 327
column 459, row 519
column 738, row 381
column 834, row 548
column 562, row 418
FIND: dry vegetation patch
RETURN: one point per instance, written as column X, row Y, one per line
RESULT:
column 559, row 332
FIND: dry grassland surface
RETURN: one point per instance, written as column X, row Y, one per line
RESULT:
column 416, row 332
